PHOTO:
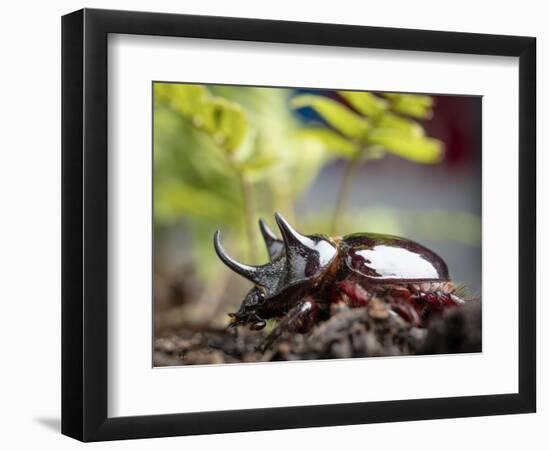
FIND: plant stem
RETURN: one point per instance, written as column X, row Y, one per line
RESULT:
column 282, row 198
column 248, row 210
column 345, row 188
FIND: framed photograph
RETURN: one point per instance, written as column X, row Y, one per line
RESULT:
column 272, row 224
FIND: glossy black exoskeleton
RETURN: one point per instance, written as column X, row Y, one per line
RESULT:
column 306, row 274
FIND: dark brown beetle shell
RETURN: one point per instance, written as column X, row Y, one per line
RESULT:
column 389, row 258
column 303, row 266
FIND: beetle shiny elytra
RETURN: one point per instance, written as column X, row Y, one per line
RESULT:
column 307, row 274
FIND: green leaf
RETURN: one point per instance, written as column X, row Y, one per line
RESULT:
column 225, row 121
column 413, row 105
column 185, row 152
column 234, row 126
column 336, row 114
column 366, row 103
column 180, row 199
column 401, row 124
column 260, row 167
column 260, row 163
column 330, row 141
column 184, row 98
column 418, row 149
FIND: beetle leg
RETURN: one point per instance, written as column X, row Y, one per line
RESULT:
column 300, row 318
column 350, row 293
column 400, row 301
column 434, row 301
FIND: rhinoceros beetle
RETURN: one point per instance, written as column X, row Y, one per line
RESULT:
column 305, row 275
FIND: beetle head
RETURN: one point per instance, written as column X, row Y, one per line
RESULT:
column 296, row 260
column 247, row 312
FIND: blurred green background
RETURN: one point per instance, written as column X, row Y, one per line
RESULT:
column 332, row 162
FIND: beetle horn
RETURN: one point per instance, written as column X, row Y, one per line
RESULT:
column 272, row 242
column 251, row 273
column 295, row 243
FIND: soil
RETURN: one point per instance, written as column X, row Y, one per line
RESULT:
column 349, row 333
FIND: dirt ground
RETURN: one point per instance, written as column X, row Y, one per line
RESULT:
column 349, row 333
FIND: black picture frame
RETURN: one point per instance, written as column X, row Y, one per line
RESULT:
column 84, row 224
